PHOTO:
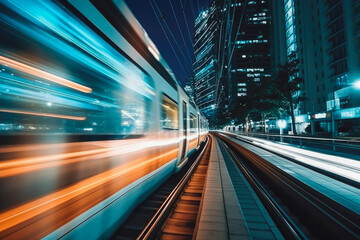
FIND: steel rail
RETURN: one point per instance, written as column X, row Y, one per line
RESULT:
column 318, row 211
column 158, row 220
column 316, row 169
column 282, row 220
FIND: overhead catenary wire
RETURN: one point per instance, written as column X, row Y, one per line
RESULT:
column 182, row 36
column 225, row 35
column 172, row 47
column 171, row 34
column 186, row 23
column 217, row 93
column 232, row 23
column 227, row 40
column 237, row 32
column 220, row 39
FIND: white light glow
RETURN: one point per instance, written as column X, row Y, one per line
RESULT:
column 357, row 84
column 281, row 123
column 341, row 166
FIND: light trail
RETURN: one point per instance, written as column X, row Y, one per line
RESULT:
column 14, row 167
column 44, row 114
column 30, row 210
column 42, row 74
column 341, row 166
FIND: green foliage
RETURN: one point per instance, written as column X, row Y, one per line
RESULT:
column 268, row 98
column 288, row 82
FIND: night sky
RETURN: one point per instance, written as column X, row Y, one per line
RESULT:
column 143, row 11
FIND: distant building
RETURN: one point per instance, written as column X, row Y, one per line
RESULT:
column 232, row 50
column 249, row 54
column 325, row 34
column 205, row 66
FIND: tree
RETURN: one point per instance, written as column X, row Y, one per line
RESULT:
column 288, row 82
column 262, row 100
column 267, row 101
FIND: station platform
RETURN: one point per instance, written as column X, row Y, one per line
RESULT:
column 342, row 193
column 230, row 208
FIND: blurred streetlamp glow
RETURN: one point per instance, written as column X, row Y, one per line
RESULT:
column 282, row 124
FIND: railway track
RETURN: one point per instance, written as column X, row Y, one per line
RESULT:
column 182, row 222
column 319, row 170
column 299, row 211
column 172, row 210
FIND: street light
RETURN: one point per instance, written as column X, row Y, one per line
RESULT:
column 282, row 124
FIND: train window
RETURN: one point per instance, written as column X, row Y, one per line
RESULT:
column 169, row 114
column 193, row 127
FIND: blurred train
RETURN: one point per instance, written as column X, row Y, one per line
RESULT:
column 92, row 119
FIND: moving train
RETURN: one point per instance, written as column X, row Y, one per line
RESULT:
column 92, row 120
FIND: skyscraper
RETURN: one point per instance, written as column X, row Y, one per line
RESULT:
column 325, row 36
column 205, row 66
column 232, row 51
column 249, row 60
column 244, row 56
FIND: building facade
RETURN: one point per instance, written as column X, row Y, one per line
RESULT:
column 232, row 51
column 325, row 36
column 205, row 66
column 250, row 57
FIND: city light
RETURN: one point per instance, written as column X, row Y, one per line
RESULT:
column 281, row 124
column 105, row 132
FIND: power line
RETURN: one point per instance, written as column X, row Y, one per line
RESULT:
column 182, row 36
column 221, row 65
column 171, row 34
column 186, row 23
column 232, row 22
column 157, row 17
column 226, row 33
column 237, row 32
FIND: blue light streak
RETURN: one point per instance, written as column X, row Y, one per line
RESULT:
column 73, row 52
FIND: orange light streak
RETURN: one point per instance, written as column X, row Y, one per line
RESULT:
column 29, row 210
column 42, row 74
column 28, row 164
column 44, row 114
column 33, row 147
column 11, row 168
